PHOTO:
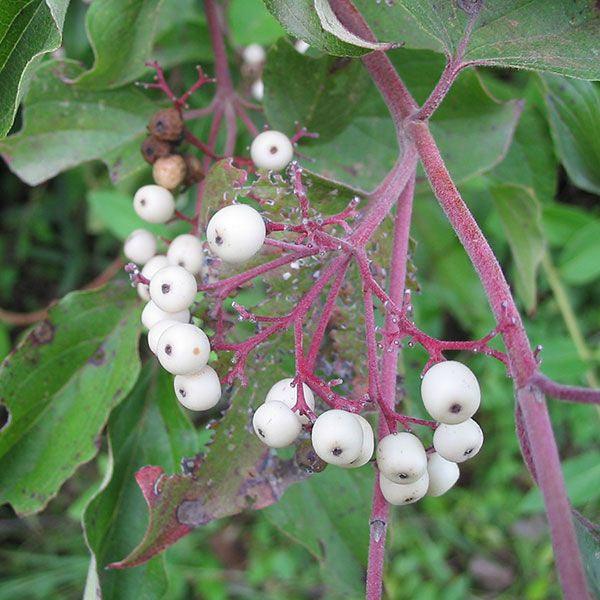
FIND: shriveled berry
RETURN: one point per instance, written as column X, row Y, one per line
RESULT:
column 166, row 124
column 169, row 171
column 306, row 458
column 153, row 149
column 193, row 169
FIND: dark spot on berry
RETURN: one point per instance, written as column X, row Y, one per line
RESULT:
column 337, row 451
column 196, row 350
column 218, row 239
column 469, row 451
column 455, row 408
column 168, row 349
column 402, row 475
column 160, row 125
column 143, row 201
column 165, row 288
column 407, row 500
column 273, row 149
column 260, row 432
column 182, row 393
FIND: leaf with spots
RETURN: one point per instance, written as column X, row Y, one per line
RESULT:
column 236, row 473
column 59, row 387
column 149, row 426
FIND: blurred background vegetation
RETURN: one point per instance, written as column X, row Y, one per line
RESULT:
column 486, row 539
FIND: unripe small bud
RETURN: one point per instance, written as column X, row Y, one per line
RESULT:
column 194, row 172
column 166, row 125
column 153, row 149
column 169, row 171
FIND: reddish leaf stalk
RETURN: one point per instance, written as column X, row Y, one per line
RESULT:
column 389, row 368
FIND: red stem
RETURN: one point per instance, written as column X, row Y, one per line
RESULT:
column 570, row 393
column 389, row 367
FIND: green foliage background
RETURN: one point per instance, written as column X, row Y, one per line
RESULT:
column 524, row 147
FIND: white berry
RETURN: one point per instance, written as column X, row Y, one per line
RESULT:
column 443, row 474
column 186, row 251
column 140, row 246
column 450, row 392
column 154, row 204
column 401, row 457
column 301, row 46
column 258, row 89
column 150, row 268
column 173, row 288
column 254, row 55
column 275, row 424
column 368, row 445
column 271, row 150
column 282, row 391
column 198, row 391
column 403, row 493
column 156, row 331
column 236, row 233
column 460, row 442
column 337, row 437
column 183, row 349
column 151, row 315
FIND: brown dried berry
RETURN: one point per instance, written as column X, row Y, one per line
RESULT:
column 194, row 172
column 167, row 125
column 169, row 171
column 153, row 148
column 306, row 458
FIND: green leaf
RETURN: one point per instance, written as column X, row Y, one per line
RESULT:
column 65, row 127
column 148, row 427
column 321, row 94
column 520, row 215
column 562, row 221
column 530, row 160
column 472, row 129
column 588, row 536
column 28, row 30
column 581, row 477
column 299, row 18
column 574, row 114
column 121, row 34
column 236, row 474
column 251, row 23
column 547, row 35
column 59, row 387
column 329, row 515
column 578, row 262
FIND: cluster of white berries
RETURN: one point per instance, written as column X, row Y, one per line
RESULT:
column 181, row 348
column 407, row 472
column 234, row 234
column 451, row 395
